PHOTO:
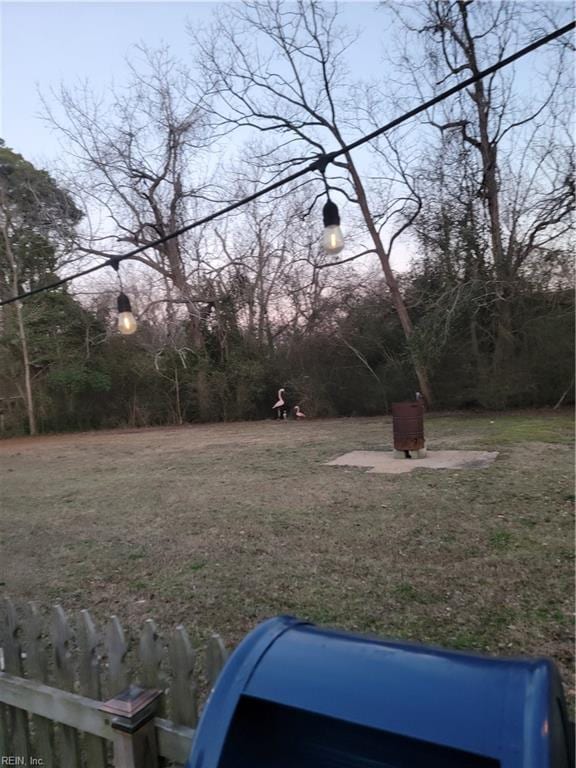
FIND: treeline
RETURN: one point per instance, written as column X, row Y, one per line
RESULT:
column 480, row 191
column 354, row 362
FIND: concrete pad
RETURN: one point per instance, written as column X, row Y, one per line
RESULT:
column 383, row 462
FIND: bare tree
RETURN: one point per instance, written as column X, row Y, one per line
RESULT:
column 280, row 67
column 519, row 156
column 270, row 263
column 139, row 162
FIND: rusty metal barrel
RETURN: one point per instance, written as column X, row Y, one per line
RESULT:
column 408, row 426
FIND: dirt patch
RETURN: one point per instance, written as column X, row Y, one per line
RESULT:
column 221, row 526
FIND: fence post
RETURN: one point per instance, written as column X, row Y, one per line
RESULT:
column 134, row 740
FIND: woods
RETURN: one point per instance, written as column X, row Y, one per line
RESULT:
column 479, row 192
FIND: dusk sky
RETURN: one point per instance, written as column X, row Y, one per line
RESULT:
column 44, row 43
column 48, row 43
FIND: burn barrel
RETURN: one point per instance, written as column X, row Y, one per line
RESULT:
column 408, row 426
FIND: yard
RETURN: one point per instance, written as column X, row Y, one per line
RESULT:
column 220, row 526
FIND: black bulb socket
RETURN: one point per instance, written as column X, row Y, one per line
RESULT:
column 124, row 303
column 330, row 214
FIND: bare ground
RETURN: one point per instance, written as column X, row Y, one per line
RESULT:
column 221, row 526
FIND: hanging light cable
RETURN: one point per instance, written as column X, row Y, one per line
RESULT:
column 126, row 321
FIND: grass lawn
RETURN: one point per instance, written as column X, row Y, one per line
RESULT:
column 220, row 526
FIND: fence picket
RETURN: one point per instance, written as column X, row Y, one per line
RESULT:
column 90, row 685
column 216, row 655
column 17, row 719
column 4, row 746
column 151, row 653
column 37, row 669
column 62, row 639
column 116, row 650
column 4, row 733
column 183, row 689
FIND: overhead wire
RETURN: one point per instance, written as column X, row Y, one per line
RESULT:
column 318, row 164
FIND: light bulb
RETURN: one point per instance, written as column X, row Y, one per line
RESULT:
column 333, row 239
column 126, row 321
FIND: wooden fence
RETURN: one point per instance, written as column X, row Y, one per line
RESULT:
column 56, row 672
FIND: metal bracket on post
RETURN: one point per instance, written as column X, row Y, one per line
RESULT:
column 132, row 721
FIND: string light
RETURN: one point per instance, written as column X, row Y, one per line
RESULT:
column 332, row 237
column 127, row 324
column 126, row 321
column 318, row 164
